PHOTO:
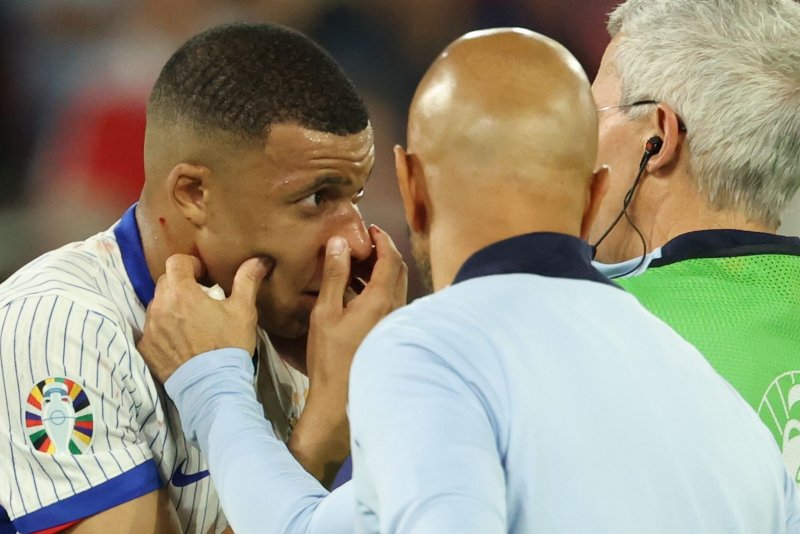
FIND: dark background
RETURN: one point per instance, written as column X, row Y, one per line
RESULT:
column 75, row 74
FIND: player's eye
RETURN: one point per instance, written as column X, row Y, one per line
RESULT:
column 317, row 199
column 314, row 200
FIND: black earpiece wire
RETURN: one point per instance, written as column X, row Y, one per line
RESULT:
column 652, row 147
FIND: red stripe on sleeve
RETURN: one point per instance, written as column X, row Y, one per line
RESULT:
column 59, row 528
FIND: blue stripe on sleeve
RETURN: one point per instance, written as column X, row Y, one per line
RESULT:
column 139, row 481
column 5, row 523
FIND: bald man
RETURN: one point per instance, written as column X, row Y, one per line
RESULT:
column 528, row 393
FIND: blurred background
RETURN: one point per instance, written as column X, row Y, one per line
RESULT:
column 75, row 75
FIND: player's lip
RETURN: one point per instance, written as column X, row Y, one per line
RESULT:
column 308, row 299
column 357, row 284
column 311, row 297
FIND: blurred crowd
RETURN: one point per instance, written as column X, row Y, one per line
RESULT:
column 76, row 75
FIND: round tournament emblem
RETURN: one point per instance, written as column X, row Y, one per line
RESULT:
column 779, row 409
column 59, row 417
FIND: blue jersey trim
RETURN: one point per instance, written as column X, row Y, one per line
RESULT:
column 542, row 253
column 345, row 473
column 139, row 481
column 5, row 523
column 725, row 244
column 130, row 245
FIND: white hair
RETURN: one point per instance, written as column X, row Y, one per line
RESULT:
column 731, row 70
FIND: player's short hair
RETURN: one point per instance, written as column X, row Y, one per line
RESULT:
column 731, row 70
column 242, row 78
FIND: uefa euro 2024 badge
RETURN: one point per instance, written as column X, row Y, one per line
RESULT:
column 59, row 417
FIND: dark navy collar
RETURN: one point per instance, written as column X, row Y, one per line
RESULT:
column 542, row 253
column 130, row 245
column 724, row 244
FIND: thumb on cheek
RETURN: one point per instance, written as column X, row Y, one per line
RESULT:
column 248, row 279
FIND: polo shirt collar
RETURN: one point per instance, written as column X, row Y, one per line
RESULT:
column 130, row 246
column 542, row 253
column 724, row 244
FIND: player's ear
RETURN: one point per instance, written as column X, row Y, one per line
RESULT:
column 413, row 189
column 187, row 185
column 594, row 196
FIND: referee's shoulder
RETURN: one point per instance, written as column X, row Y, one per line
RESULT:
column 435, row 320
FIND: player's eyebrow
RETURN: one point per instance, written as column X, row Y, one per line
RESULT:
column 323, row 181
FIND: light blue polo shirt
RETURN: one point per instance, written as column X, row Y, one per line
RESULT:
column 530, row 396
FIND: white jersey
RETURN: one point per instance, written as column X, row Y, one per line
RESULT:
column 83, row 425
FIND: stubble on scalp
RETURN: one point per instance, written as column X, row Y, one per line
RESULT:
column 420, row 249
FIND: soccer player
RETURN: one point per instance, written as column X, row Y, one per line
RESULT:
column 717, row 84
column 528, row 393
column 257, row 145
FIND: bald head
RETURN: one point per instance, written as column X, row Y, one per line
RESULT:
column 506, row 101
column 502, row 141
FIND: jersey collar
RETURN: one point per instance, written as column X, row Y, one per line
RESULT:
column 724, row 244
column 704, row 244
column 130, row 246
column 542, row 253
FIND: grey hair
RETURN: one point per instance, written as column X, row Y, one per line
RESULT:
column 731, row 70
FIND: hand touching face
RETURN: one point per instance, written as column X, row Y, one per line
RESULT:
column 283, row 202
column 183, row 320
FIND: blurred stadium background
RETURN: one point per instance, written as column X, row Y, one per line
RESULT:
column 75, row 74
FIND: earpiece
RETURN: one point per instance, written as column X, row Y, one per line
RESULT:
column 653, row 146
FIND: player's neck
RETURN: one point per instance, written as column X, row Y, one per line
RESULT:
column 160, row 240
column 292, row 351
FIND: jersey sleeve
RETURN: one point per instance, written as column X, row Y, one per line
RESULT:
column 70, row 445
column 425, row 455
column 261, row 486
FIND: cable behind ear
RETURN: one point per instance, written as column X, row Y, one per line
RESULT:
column 651, row 147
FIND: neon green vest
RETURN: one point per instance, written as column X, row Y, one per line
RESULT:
column 743, row 313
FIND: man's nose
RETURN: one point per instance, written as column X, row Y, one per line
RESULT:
column 352, row 228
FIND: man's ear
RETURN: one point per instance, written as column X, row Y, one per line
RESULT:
column 597, row 192
column 188, row 190
column 413, row 190
column 669, row 127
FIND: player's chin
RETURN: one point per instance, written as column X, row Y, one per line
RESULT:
column 288, row 323
column 307, row 301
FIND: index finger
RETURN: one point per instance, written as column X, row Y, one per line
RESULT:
column 389, row 262
column 182, row 266
column 335, row 275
